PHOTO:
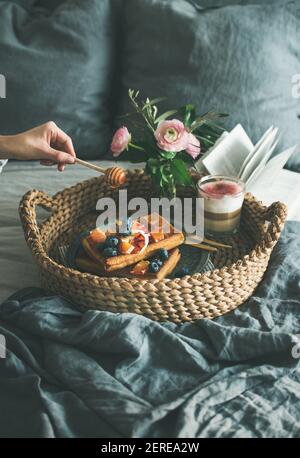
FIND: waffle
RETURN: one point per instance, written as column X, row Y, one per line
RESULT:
column 85, row 264
column 172, row 239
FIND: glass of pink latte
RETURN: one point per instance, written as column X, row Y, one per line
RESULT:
column 223, row 200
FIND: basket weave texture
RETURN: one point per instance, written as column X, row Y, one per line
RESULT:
column 208, row 295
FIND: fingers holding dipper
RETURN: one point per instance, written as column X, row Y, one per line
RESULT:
column 115, row 176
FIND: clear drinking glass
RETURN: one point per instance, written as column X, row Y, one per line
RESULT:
column 223, row 201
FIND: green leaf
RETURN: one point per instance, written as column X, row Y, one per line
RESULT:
column 189, row 161
column 205, row 139
column 134, row 146
column 206, row 118
column 189, row 114
column 161, row 177
column 167, row 154
column 165, row 174
column 181, row 173
column 222, row 115
column 208, row 133
column 154, row 102
column 213, row 127
column 165, row 115
column 133, row 94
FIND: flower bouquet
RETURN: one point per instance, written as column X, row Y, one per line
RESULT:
column 169, row 147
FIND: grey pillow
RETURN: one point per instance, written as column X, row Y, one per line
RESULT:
column 222, row 3
column 236, row 59
column 25, row 3
column 58, row 66
column 49, row 4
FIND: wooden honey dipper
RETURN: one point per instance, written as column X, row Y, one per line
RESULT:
column 115, row 176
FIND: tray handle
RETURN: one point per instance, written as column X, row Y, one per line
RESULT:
column 276, row 215
column 27, row 211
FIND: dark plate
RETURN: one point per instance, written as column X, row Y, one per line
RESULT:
column 194, row 259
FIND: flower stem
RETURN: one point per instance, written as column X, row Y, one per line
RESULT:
column 136, row 147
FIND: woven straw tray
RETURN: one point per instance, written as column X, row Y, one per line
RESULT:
column 236, row 275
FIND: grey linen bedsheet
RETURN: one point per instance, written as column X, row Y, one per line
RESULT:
column 73, row 374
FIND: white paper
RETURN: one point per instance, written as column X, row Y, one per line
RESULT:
column 268, row 176
column 261, row 156
column 199, row 164
column 261, row 165
column 286, row 190
column 228, row 155
column 255, row 149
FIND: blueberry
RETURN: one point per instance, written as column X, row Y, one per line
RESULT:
column 153, row 268
column 183, row 272
column 110, row 252
column 100, row 246
column 159, row 262
column 112, row 242
column 163, row 254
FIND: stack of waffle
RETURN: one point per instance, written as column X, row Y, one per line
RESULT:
column 146, row 248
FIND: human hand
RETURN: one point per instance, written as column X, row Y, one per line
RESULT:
column 47, row 143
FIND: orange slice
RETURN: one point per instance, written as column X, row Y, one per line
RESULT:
column 125, row 247
column 97, row 236
column 141, row 268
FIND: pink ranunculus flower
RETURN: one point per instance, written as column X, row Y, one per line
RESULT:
column 171, row 135
column 194, row 147
column 120, row 141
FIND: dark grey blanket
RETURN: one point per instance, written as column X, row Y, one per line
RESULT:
column 73, row 374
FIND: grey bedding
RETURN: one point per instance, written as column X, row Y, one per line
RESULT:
column 98, row 374
column 73, row 374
